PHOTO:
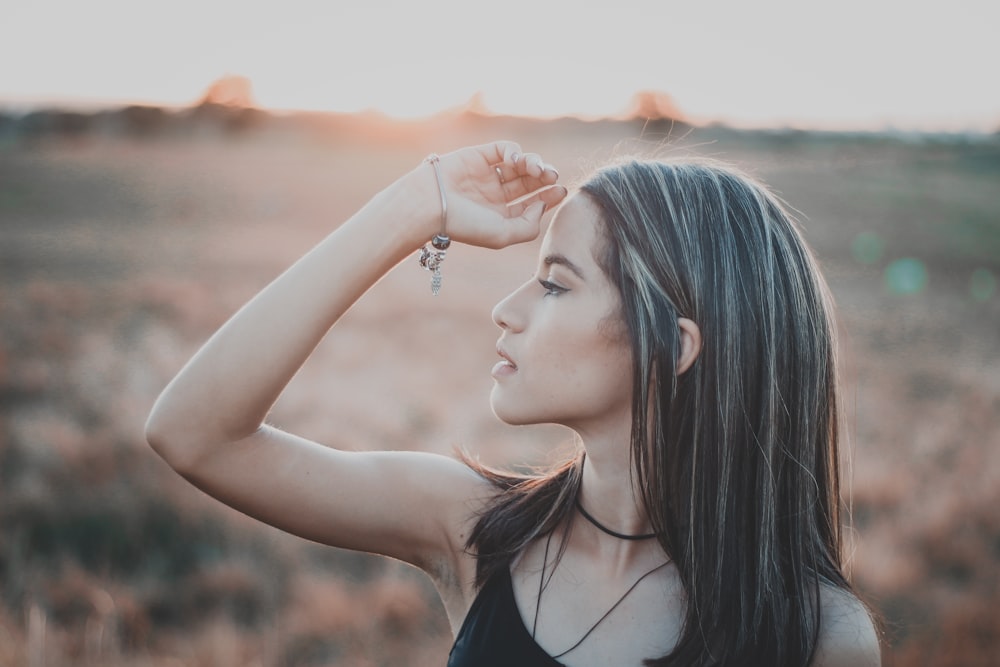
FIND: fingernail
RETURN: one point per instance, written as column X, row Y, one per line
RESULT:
column 514, row 157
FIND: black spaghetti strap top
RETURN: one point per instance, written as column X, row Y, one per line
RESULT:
column 493, row 633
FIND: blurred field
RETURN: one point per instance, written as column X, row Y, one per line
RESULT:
column 119, row 255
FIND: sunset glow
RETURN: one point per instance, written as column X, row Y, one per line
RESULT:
column 853, row 65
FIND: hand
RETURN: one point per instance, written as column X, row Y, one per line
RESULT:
column 496, row 193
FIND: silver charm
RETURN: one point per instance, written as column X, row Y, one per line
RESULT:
column 431, row 258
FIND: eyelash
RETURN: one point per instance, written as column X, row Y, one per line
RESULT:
column 551, row 289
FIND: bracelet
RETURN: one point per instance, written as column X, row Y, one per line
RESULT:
column 433, row 252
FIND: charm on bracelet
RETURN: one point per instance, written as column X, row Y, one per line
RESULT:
column 432, row 257
column 432, row 254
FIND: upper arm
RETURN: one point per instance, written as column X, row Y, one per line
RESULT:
column 412, row 506
column 847, row 637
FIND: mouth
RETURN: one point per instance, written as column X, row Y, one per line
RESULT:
column 505, row 366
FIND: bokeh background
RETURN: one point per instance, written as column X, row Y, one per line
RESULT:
column 139, row 210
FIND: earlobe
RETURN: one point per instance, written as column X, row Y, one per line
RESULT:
column 690, row 344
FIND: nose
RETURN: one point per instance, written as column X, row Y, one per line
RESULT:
column 506, row 315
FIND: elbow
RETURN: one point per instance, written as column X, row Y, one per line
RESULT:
column 159, row 435
column 184, row 437
column 166, row 436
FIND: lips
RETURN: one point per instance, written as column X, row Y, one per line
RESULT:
column 505, row 366
column 506, row 357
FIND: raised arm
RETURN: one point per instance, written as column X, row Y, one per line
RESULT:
column 209, row 423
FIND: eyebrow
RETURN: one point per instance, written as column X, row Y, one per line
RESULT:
column 563, row 261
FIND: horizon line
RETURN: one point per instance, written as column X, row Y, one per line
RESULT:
column 42, row 104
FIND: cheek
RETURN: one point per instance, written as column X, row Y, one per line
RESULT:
column 593, row 353
column 615, row 332
column 599, row 375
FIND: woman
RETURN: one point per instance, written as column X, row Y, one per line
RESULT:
column 676, row 323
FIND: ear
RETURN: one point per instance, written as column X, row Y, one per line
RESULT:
column 690, row 344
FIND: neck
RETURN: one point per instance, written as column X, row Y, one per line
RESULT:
column 608, row 493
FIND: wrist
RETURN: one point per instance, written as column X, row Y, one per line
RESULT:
column 414, row 203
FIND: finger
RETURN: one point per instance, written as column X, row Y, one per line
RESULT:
column 536, row 168
column 505, row 172
column 550, row 197
column 530, row 164
column 510, row 171
column 525, row 174
column 524, row 186
column 553, row 196
column 499, row 151
column 549, row 174
column 525, row 226
column 533, row 214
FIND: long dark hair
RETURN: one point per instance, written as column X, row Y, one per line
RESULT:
column 737, row 458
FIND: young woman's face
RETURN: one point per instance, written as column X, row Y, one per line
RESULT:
column 565, row 357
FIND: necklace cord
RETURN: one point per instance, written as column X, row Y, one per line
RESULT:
column 605, row 529
column 542, row 585
column 608, row 612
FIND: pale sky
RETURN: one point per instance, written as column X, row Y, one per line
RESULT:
column 849, row 64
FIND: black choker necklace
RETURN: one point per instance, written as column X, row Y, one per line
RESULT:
column 603, row 528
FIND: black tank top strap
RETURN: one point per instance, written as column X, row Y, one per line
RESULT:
column 493, row 633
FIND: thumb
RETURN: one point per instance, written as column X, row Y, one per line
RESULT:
column 526, row 226
column 533, row 214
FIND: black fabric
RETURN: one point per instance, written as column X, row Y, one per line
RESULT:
column 493, row 633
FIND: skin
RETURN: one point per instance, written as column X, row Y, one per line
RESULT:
column 210, row 425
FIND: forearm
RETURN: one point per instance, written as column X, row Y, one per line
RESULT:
column 225, row 392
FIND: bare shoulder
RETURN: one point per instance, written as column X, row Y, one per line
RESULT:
column 848, row 636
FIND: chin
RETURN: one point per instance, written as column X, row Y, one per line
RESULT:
column 509, row 414
column 508, row 417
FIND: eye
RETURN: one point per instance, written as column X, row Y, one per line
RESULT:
column 551, row 289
